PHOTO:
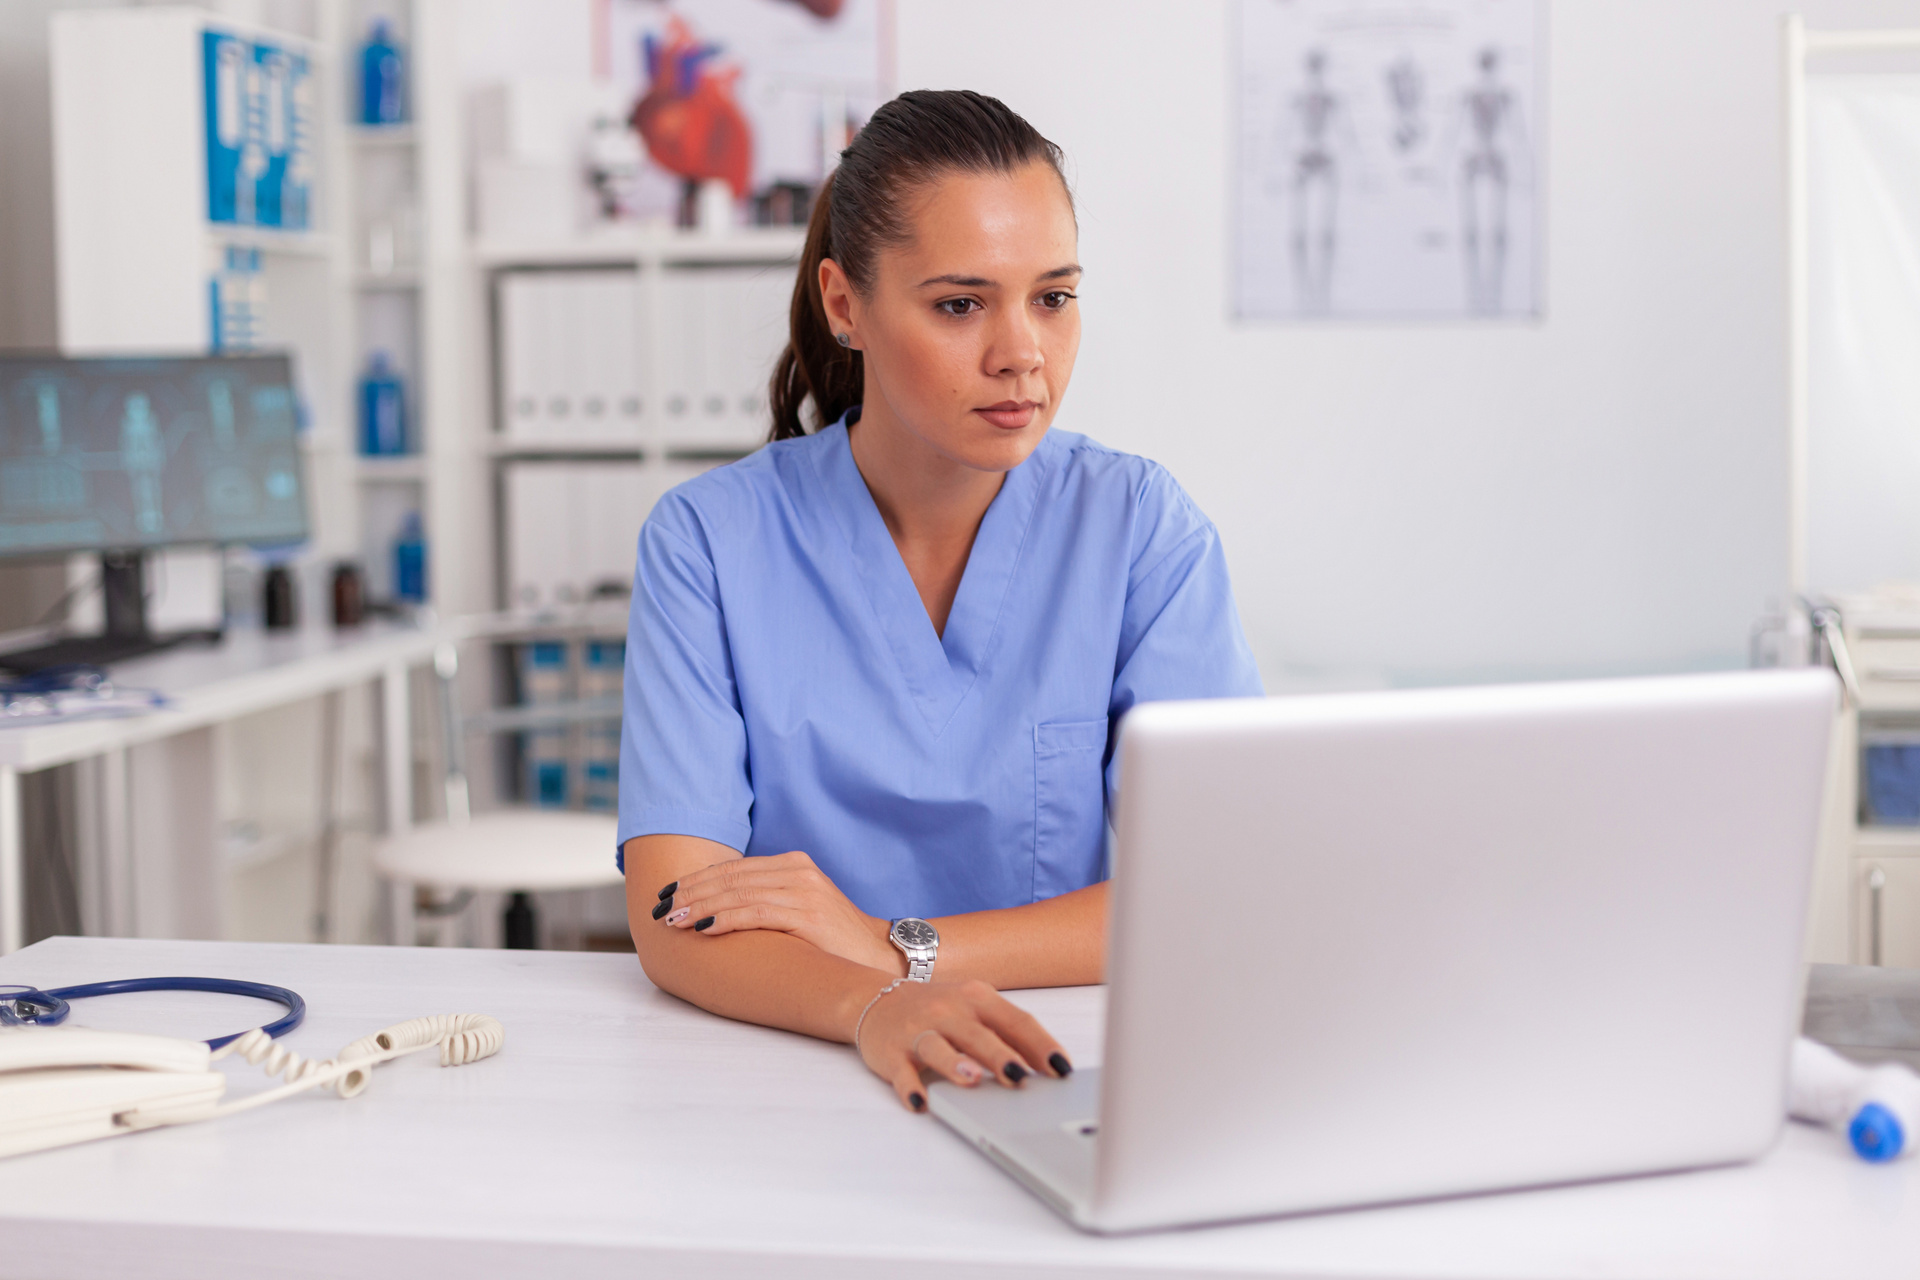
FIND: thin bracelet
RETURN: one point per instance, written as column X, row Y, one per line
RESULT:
column 861, row 1021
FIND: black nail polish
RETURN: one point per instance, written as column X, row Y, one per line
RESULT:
column 665, row 905
column 1061, row 1067
column 668, row 891
column 700, row 925
column 1015, row 1072
column 917, row 1102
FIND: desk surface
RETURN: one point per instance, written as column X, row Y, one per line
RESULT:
column 248, row 671
column 621, row 1132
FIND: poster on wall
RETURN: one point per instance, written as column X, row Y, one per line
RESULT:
column 760, row 95
column 1389, row 159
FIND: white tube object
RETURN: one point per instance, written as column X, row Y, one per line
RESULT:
column 1879, row 1107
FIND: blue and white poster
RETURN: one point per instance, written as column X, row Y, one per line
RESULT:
column 259, row 109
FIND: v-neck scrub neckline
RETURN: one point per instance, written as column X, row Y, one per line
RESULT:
column 785, row 688
column 938, row 668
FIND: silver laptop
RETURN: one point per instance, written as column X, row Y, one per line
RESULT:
column 1387, row 946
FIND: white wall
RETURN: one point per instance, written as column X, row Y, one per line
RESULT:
column 1604, row 491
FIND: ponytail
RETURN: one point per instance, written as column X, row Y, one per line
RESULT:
column 813, row 364
column 909, row 143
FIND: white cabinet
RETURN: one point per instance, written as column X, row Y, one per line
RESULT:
column 1887, row 904
column 1883, row 874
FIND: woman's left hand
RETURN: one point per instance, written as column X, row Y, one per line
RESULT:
column 785, row 893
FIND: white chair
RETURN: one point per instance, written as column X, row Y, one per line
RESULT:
column 514, row 851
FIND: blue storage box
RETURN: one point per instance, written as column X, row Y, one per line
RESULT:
column 1891, row 782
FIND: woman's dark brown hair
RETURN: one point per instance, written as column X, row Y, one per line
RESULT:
column 909, row 143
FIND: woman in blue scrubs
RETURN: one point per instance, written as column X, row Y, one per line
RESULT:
column 884, row 659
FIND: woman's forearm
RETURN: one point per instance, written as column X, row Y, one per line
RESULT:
column 758, row 976
column 785, row 900
column 961, row 1031
column 1061, row 942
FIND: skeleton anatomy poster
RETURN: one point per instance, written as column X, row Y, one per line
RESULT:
column 1388, row 159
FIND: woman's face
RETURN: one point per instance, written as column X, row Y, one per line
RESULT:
column 971, row 328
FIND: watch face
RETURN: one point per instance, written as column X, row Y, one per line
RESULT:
column 916, row 933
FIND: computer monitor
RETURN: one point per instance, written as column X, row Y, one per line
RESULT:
column 120, row 455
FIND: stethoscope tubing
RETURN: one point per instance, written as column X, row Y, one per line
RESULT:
column 53, row 1006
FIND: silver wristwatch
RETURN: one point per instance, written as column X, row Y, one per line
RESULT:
column 920, row 942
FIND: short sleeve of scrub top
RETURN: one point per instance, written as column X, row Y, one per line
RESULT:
column 785, row 688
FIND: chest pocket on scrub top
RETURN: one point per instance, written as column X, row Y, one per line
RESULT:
column 1069, row 795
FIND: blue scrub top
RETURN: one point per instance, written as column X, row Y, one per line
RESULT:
column 785, row 688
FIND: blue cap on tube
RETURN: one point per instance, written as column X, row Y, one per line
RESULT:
column 1876, row 1133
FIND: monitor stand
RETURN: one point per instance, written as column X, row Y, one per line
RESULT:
column 123, row 584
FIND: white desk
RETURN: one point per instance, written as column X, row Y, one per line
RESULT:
column 622, row 1133
column 251, row 670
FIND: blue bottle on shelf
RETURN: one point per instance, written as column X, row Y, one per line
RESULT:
column 383, row 409
column 383, row 96
column 410, row 561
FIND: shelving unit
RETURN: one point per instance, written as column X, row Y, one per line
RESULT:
column 392, row 469
column 136, row 246
column 382, row 205
column 668, row 432
column 386, row 263
column 309, row 244
column 649, row 247
column 1883, row 866
column 134, row 272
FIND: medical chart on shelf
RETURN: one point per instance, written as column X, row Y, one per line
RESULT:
column 260, row 102
column 762, row 94
column 1388, row 159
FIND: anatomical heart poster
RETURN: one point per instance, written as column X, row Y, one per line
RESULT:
column 760, row 94
column 1389, row 159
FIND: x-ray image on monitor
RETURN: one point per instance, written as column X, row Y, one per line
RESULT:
column 123, row 454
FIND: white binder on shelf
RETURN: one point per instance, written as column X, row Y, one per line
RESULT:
column 611, row 504
column 570, row 357
column 596, row 313
column 572, row 526
column 724, row 328
column 765, row 300
column 682, row 351
column 535, row 500
column 720, row 415
column 523, row 356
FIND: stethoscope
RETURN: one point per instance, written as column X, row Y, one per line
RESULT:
column 22, row 1006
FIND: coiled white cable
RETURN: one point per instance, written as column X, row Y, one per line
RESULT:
column 461, row 1038
column 277, row 1060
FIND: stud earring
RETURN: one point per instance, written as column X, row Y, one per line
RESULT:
column 843, row 339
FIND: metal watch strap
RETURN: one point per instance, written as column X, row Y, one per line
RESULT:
column 920, row 960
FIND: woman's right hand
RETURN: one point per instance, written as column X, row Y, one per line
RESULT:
column 964, row 1031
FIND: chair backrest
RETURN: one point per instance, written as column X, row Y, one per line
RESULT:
column 446, row 666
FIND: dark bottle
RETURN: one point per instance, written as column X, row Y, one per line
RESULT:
column 349, row 596
column 281, row 603
column 518, row 926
